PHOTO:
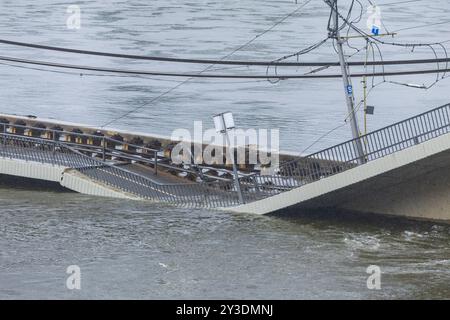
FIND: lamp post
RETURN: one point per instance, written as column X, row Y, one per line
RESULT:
column 224, row 122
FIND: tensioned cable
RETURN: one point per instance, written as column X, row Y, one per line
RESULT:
column 422, row 26
column 400, row 2
column 73, row 73
column 225, row 62
column 221, row 76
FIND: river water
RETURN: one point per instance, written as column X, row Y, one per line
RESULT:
column 140, row 250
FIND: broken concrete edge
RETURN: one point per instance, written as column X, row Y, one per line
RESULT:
column 74, row 180
column 352, row 176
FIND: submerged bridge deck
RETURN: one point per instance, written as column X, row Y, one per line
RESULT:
column 318, row 180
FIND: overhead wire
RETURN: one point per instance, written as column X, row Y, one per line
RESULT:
column 215, row 76
column 375, row 41
column 83, row 74
column 279, row 63
column 374, row 38
column 221, row 61
column 422, row 26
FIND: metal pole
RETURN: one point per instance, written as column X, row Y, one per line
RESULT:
column 365, row 89
column 365, row 99
column 235, row 171
column 348, row 88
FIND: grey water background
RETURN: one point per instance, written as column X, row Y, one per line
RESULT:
column 141, row 250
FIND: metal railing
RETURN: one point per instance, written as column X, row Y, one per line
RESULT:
column 38, row 150
column 344, row 156
column 106, row 148
column 209, row 195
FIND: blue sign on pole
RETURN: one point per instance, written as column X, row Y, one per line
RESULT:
column 350, row 90
column 375, row 30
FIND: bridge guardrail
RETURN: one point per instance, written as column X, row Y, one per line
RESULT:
column 211, row 194
column 344, row 156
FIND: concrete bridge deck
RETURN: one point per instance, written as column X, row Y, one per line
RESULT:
column 404, row 171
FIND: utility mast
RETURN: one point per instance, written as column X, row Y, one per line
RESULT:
column 334, row 32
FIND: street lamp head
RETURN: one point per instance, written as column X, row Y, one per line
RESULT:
column 218, row 124
column 229, row 121
column 223, row 122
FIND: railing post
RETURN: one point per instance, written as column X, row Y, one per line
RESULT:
column 103, row 149
column 255, row 182
column 54, row 142
column 4, row 135
column 156, row 163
